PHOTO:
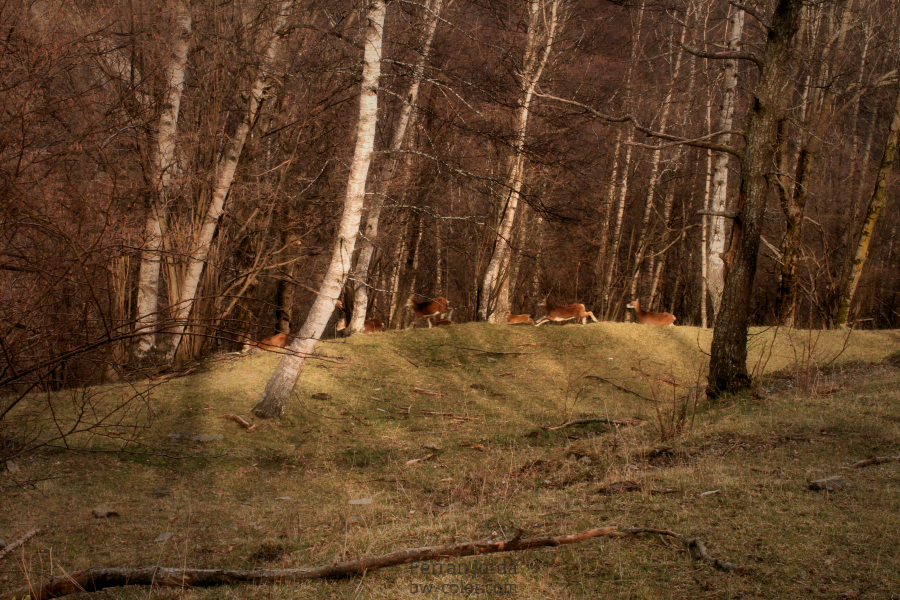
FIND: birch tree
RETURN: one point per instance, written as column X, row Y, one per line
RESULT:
column 715, row 254
column 876, row 205
column 407, row 118
column 274, row 398
column 161, row 164
column 224, row 177
column 794, row 192
column 543, row 19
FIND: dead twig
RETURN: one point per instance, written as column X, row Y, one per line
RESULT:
column 240, row 421
column 605, row 421
column 426, row 392
column 91, row 580
column 874, row 460
column 449, row 415
column 619, row 387
column 28, row 535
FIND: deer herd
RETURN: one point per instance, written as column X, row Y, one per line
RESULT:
column 438, row 313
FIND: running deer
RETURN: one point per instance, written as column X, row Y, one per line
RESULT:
column 645, row 318
column 561, row 314
column 369, row 325
column 512, row 319
column 279, row 340
column 373, row 326
column 427, row 310
column 446, row 320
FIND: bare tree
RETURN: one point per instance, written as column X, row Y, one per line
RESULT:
column 407, row 119
column 274, row 398
column 728, row 360
column 543, row 19
column 876, row 205
column 225, row 170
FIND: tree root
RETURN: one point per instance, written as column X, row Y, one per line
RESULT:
column 91, row 580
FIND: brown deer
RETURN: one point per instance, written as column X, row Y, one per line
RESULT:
column 373, row 326
column 512, row 319
column 561, row 314
column 446, row 320
column 645, row 318
column 279, row 340
column 427, row 310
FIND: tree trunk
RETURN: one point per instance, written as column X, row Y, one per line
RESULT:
column 541, row 33
column 407, row 117
column 161, row 164
column 719, row 200
column 226, row 167
column 274, row 398
column 728, row 361
column 793, row 199
column 876, row 204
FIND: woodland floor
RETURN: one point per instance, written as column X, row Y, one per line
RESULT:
column 282, row 495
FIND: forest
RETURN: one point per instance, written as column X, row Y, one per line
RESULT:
column 180, row 177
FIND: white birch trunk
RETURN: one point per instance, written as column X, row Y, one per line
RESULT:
column 274, row 398
column 227, row 165
column 719, row 200
column 541, row 33
column 162, row 162
column 407, row 116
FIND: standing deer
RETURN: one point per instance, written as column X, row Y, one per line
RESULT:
column 561, row 314
column 279, row 340
column 427, row 310
column 645, row 318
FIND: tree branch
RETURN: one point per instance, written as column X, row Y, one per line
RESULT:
column 91, row 580
column 695, row 142
column 724, row 55
column 753, row 13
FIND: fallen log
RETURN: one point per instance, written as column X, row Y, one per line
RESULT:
column 91, row 580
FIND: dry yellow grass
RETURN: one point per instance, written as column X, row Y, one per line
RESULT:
column 823, row 402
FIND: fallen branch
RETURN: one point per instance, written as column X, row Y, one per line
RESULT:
column 619, row 387
column 28, row 535
column 694, row 545
column 605, row 421
column 875, row 460
column 449, row 415
column 426, row 392
column 240, row 421
column 91, row 580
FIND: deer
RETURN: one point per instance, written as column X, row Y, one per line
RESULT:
column 561, row 314
column 279, row 340
column 428, row 309
column 373, row 326
column 445, row 321
column 512, row 319
column 645, row 318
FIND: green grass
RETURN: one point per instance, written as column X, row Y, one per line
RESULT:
column 823, row 401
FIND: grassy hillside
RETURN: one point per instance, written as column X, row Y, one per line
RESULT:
column 471, row 400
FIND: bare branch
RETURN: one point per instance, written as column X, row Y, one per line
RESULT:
column 753, row 13
column 95, row 579
column 724, row 55
column 695, row 142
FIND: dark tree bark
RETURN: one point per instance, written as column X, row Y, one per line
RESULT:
column 728, row 362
